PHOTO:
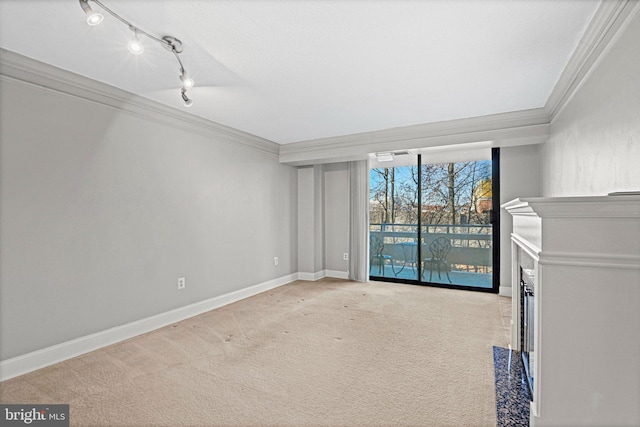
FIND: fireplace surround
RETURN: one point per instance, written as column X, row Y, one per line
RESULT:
column 580, row 259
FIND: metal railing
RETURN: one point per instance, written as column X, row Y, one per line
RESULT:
column 471, row 244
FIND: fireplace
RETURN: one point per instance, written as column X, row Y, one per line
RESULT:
column 579, row 301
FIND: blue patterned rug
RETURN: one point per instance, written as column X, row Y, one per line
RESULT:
column 512, row 392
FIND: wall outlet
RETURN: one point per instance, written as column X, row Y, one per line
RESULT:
column 182, row 282
column 275, row 261
column 345, row 256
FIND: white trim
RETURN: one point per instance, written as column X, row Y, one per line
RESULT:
column 312, row 277
column 506, row 291
column 18, row 68
column 609, row 21
column 576, row 207
column 527, row 246
column 337, row 274
column 25, row 363
column 513, row 119
column 594, row 260
column 504, row 129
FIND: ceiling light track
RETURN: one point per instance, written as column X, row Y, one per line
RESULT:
column 134, row 46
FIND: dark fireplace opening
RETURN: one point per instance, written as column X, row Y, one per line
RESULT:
column 527, row 304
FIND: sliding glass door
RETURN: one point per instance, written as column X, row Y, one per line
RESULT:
column 432, row 220
column 394, row 216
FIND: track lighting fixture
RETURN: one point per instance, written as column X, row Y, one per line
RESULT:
column 187, row 81
column 134, row 46
column 187, row 102
column 93, row 17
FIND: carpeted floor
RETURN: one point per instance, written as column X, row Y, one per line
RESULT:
column 325, row 353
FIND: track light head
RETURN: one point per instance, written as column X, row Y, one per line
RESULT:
column 187, row 82
column 187, row 102
column 93, row 17
column 134, row 44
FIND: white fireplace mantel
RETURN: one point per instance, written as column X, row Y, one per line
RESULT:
column 585, row 254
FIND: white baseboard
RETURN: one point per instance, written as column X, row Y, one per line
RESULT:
column 337, row 274
column 25, row 363
column 312, row 277
column 505, row 291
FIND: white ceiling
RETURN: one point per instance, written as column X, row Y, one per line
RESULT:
column 296, row 70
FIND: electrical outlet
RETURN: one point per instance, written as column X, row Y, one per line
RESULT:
column 182, row 282
column 275, row 261
column 345, row 256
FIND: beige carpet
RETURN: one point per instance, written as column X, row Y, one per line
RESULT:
column 326, row 353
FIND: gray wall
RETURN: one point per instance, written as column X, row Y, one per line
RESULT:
column 323, row 218
column 102, row 210
column 309, row 220
column 318, row 224
column 594, row 147
column 336, row 224
column 305, row 220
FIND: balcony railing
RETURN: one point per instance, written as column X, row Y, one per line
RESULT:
column 471, row 244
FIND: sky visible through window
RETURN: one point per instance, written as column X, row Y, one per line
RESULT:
column 452, row 193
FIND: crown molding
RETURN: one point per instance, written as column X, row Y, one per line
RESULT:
column 16, row 67
column 608, row 22
column 504, row 129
